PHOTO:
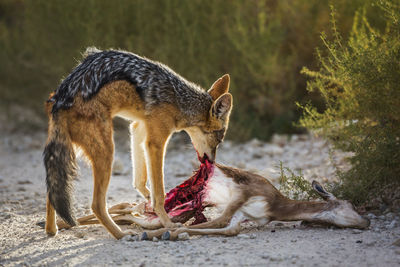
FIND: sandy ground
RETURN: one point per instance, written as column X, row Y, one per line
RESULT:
column 22, row 205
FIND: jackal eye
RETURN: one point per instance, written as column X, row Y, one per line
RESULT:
column 206, row 132
column 219, row 134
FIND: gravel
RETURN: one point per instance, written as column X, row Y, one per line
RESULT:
column 22, row 207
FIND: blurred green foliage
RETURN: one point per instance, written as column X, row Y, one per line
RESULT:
column 262, row 44
column 295, row 186
column 359, row 80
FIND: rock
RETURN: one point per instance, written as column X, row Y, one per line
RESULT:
column 80, row 234
column 278, row 139
column 253, row 236
column 257, row 156
column 255, row 143
column 183, row 236
column 155, row 239
column 241, row 165
column 126, row 238
column 396, row 243
column 356, row 231
column 389, row 215
column 130, row 238
column 371, row 216
column 391, row 225
column 359, row 241
column 24, row 182
column 243, row 236
column 274, row 150
column 118, row 167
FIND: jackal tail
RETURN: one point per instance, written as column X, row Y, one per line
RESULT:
column 61, row 170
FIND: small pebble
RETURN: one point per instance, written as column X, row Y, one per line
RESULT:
column 118, row 167
column 243, row 236
column 183, row 236
column 391, row 225
column 80, row 234
column 396, row 243
column 126, row 238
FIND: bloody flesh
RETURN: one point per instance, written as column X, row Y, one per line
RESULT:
column 188, row 196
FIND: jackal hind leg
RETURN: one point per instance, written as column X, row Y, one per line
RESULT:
column 97, row 143
column 138, row 137
column 51, row 225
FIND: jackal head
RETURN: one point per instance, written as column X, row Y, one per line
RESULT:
column 338, row 212
column 210, row 130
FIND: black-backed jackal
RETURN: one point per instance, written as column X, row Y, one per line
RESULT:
column 158, row 101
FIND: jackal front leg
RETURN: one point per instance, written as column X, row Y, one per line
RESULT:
column 155, row 148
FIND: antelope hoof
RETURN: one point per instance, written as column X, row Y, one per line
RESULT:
column 144, row 236
column 166, row 235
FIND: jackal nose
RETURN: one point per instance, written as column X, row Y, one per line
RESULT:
column 213, row 155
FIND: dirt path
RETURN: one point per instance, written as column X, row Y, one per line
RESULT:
column 22, row 205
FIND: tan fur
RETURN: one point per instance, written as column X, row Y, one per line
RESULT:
column 89, row 126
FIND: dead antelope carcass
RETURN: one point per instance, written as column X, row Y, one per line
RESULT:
column 239, row 195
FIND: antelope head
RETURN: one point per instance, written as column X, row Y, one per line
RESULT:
column 338, row 212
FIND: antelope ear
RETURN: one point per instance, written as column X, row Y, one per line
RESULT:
column 322, row 192
column 222, row 107
column 220, row 87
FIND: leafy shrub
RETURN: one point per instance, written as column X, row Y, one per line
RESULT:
column 262, row 44
column 295, row 186
column 359, row 80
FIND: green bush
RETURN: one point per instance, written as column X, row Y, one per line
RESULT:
column 263, row 44
column 359, row 79
column 295, row 186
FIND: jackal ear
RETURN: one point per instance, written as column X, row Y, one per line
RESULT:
column 220, row 87
column 222, row 106
column 322, row 192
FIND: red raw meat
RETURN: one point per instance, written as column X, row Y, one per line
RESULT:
column 189, row 195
